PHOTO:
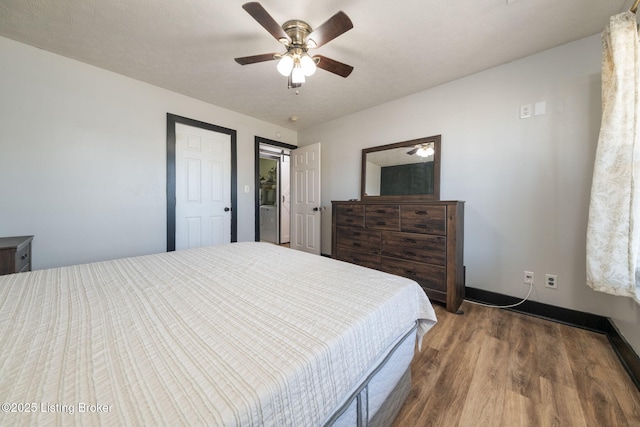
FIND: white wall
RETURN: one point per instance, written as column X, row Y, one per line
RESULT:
column 83, row 157
column 526, row 182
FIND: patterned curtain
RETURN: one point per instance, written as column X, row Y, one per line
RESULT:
column 613, row 232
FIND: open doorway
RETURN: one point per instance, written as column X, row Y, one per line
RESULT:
column 272, row 196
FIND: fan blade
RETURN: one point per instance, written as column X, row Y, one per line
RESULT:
column 259, row 13
column 412, row 152
column 333, row 66
column 256, row 58
column 332, row 28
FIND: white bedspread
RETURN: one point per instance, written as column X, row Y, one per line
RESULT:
column 244, row 334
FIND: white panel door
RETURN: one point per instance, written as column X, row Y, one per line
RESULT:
column 203, row 187
column 305, row 203
column 285, row 199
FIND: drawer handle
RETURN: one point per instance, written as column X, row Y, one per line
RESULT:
column 410, row 272
column 381, row 211
column 410, row 240
column 421, row 212
column 381, row 223
column 409, row 253
column 349, row 220
column 356, row 259
column 356, row 233
column 357, row 245
column 349, row 210
column 420, row 226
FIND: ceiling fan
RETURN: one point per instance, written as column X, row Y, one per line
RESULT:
column 422, row 150
column 298, row 37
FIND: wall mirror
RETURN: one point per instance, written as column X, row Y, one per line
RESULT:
column 408, row 170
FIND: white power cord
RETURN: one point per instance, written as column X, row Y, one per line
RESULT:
column 505, row 306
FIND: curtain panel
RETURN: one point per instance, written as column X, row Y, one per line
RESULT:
column 613, row 231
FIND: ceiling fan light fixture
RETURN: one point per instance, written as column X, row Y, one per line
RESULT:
column 285, row 65
column 425, row 151
column 292, row 85
column 308, row 65
column 297, row 75
column 430, row 151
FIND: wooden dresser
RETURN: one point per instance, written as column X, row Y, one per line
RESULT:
column 15, row 254
column 419, row 240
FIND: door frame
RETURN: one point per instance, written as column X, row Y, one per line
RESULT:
column 258, row 140
column 172, row 119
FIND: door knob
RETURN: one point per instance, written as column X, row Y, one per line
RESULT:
column 227, row 209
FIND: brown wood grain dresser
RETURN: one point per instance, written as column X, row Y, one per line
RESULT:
column 15, row 254
column 419, row 240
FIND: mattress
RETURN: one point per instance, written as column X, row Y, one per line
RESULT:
column 246, row 334
column 381, row 394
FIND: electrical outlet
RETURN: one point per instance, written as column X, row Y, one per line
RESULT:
column 525, row 111
column 551, row 281
column 528, row 277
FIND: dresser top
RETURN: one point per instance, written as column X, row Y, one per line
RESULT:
column 14, row 242
column 398, row 202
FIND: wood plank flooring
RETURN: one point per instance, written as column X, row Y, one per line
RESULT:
column 492, row 367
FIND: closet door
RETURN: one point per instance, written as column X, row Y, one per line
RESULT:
column 203, row 187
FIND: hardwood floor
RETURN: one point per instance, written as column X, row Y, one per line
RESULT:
column 492, row 367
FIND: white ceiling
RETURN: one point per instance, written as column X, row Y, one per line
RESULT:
column 396, row 47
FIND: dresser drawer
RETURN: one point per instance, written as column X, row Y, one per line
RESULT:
column 428, row 219
column 383, row 217
column 351, row 215
column 361, row 258
column 428, row 276
column 427, row 248
column 7, row 261
column 359, row 239
column 23, row 259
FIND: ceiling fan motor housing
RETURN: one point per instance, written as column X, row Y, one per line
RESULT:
column 298, row 31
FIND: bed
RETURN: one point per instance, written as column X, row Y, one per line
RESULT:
column 245, row 334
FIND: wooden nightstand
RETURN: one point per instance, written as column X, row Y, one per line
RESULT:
column 15, row 254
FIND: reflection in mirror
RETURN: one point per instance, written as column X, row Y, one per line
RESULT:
column 408, row 170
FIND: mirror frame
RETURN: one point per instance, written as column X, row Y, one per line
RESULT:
column 409, row 197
